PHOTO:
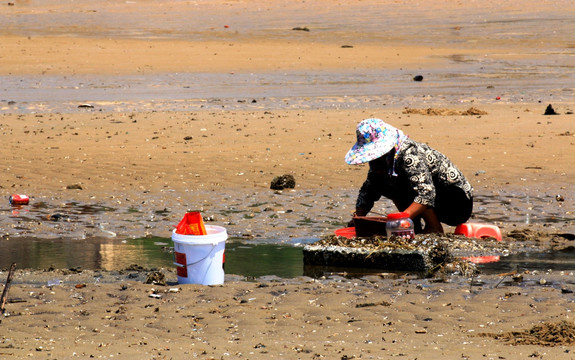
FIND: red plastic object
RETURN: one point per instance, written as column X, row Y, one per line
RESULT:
column 19, row 199
column 348, row 232
column 482, row 259
column 191, row 224
column 479, row 231
column 397, row 216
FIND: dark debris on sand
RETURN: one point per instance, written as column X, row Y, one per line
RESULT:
column 545, row 334
column 286, row 181
column 550, row 111
column 444, row 112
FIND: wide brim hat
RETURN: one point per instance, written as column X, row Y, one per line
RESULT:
column 375, row 138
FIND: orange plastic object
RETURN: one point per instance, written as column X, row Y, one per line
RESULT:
column 191, row 224
column 480, row 231
column 482, row 259
column 348, row 232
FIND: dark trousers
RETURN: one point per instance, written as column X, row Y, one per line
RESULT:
column 452, row 206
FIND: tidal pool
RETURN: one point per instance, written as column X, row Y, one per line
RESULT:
column 250, row 260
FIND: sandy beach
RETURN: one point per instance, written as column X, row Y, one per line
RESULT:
column 334, row 318
column 90, row 130
column 144, row 164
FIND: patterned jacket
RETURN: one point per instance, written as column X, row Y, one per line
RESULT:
column 419, row 172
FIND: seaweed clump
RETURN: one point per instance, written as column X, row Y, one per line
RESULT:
column 544, row 334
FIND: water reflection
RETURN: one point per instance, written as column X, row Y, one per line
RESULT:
column 253, row 260
column 540, row 261
column 246, row 259
column 93, row 253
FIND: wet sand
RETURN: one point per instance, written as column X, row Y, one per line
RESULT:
column 133, row 164
column 110, row 315
column 136, row 173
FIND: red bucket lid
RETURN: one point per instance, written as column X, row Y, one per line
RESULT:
column 348, row 232
column 396, row 216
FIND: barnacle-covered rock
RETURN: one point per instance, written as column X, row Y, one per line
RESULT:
column 428, row 253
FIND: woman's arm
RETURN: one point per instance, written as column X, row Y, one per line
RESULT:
column 432, row 224
column 369, row 193
column 415, row 209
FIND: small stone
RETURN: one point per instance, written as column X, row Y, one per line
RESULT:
column 155, row 278
column 59, row 217
column 550, row 111
column 286, row 181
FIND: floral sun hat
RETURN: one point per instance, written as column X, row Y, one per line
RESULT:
column 375, row 138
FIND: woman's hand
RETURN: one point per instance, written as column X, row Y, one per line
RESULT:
column 432, row 224
column 358, row 212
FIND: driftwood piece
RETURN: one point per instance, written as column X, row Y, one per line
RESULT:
column 6, row 288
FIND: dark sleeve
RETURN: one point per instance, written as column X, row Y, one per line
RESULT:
column 369, row 192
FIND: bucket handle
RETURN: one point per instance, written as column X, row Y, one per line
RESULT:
column 202, row 259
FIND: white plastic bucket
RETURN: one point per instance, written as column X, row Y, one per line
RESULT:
column 200, row 258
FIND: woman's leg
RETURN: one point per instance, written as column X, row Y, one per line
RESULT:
column 432, row 223
column 452, row 206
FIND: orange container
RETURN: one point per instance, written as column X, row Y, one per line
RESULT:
column 479, row 231
column 191, row 224
column 348, row 232
column 482, row 259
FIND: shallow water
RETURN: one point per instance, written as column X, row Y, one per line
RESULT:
column 245, row 259
column 249, row 260
column 475, row 81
